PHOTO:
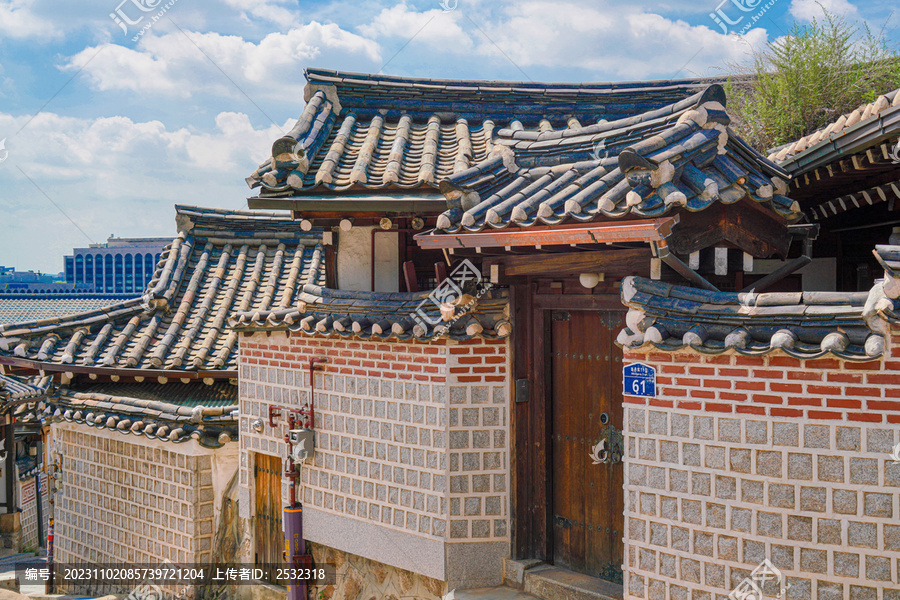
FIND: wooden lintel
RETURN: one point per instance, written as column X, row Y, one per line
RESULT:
column 613, row 262
column 645, row 230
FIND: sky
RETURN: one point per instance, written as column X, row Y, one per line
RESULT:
column 113, row 111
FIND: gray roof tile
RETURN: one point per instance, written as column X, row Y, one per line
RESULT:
column 221, row 261
column 681, row 156
column 446, row 121
column 804, row 325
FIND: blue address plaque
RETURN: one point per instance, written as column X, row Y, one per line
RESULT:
column 639, row 380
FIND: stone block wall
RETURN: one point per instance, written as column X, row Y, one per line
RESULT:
column 132, row 499
column 740, row 459
column 412, row 455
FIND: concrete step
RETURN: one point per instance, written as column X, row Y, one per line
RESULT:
column 494, row 593
column 554, row 583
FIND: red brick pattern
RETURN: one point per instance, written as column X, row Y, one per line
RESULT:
column 776, row 385
column 484, row 361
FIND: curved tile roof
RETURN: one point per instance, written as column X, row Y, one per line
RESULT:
column 15, row 388
column 365, row 132
column 866, row 113
column 403, row 316
column 681, row 156
column 802, row 324
column 217, row 394
column 167, row 421
column 15, row 308
column 221, row 261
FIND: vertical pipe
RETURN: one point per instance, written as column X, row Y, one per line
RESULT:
column 296, row 547
column 48, row 586
column 10, row 448
column 37, row 487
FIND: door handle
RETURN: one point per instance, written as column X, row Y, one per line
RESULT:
column 562, row 522
column 610, row 448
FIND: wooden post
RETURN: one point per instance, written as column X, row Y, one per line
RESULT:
column 10, row 467
column 409, row 276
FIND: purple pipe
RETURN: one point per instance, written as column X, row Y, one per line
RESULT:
column 296, row 547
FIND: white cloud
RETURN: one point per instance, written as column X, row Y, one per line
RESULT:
column 437, row 28
column 18, row 19
column 116, row 175
column 807, row 10
column 269, row 11
column 625, row 43
column 171, row 63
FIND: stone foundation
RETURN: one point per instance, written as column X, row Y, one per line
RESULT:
column 363, row 579
column 11, row 532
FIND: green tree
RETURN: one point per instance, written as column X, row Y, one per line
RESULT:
column 806, row 79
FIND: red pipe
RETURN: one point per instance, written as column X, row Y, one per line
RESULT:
column 290, row 472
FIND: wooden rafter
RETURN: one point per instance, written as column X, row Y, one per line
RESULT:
column 887, row 192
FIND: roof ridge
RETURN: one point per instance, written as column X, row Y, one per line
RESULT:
column 335, row 77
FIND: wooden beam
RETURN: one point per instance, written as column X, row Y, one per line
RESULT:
column 647, row 230
column 615, row 263
column 742, row 224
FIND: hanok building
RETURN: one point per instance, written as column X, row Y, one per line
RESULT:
column 143, row 427
column 450, row 440
column 773, row 433
column 23, row 489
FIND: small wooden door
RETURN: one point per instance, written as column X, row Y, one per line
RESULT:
column 586, row 385
column 269, row 531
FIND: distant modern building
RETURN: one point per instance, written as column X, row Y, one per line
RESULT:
column 120, row 266
column 12, row 281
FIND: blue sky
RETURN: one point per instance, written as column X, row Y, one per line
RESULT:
column 113, row 127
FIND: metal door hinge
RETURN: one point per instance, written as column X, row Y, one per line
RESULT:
column 559, row 315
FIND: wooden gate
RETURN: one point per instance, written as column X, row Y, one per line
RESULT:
column 269, row 531
column 585, row 369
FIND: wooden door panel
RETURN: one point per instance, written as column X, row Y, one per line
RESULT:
column 585, row 369
column 269, row 531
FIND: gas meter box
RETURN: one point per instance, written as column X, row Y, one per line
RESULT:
column 302, row 444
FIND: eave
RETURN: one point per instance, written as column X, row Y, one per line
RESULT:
column 373, row 204
column 647, row 230
column 861, row 135
column 24, row 363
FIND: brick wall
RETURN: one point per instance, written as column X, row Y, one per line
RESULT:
column 739, row 459
column 411, row 438
column 132, row 500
